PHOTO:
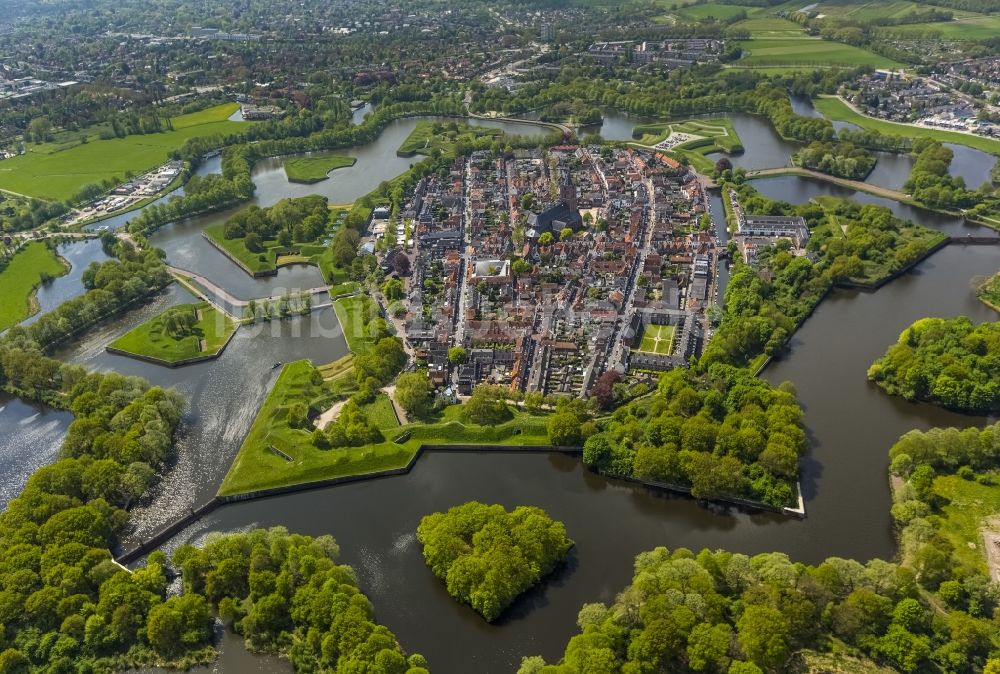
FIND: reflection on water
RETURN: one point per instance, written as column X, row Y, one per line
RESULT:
column 223, row 395
column 30, row 437
column 799, row 190
column 610, row 521
column 79, row 254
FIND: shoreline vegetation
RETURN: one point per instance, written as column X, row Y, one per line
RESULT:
column 21, row 275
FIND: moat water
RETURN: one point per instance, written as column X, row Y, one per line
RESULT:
column 843, row 476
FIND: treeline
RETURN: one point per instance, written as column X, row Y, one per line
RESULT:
column 930, row 182
column 64, row 604
column 17, row 214
column 487, row 556
column 762, row 311
column 837, row 159
column 286, row 593
column 110, row 286
column 728, row 612
column 950, row 362
column 722, row 434
column 289, row 221
column 271, row 140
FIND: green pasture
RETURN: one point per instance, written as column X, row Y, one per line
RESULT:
column 58, row 171
column 772, row 50
column 970, row 27
column 423, row 139
column 20, row 279
column 834, row 108
column 314, row 168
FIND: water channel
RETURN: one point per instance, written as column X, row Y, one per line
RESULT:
column 844, row 474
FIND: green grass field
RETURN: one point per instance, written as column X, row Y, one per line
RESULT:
column 152, row 340
column 257, row 467
column 314, row 168
column 58, row 171
column 720, row 11
column 350, row 312
column 21, row 278
column 423, row 139
column 833, row 108
column 812, row 52
column 658, row 339
column 969, row 27
column 770, row 27
column 866, row 10
column 970, row 503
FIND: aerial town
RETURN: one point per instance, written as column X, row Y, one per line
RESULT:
column 558, row 266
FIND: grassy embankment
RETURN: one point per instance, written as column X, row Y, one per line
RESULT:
column 209, row 336
column 21, row 278
column 714, row 135
column 58, row 170
column 989, row 292
column 314, row 168
column 779, row 43
column 423, row 140
column 274, row 255
column 835, row 109
column 257, row 467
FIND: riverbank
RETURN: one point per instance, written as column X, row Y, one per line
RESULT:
column 30, row 267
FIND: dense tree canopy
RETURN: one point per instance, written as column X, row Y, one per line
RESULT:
column 947, row 361
column 725, row 434
column 487, row 556
column 838, row 159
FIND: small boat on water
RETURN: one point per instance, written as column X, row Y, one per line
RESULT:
column 276, row 365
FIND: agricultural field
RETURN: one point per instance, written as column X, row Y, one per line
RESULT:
column 58, row 172
column 803, row 51
column 866, row 10
column 836, row 109
column 315, row 168
column 658, row 339
column 181, row 333
column 770, row 27
column 720, row 11
column 19, row 280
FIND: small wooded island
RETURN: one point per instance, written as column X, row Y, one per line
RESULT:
column 951, row 362
column 487, row 556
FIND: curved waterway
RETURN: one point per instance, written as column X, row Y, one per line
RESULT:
column 799, row 189
column 223, row 395
column 844, row 482
column 851, row 425
column 80, row 254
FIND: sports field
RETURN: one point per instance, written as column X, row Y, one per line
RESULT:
column 58, row 172
column 658, row 339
